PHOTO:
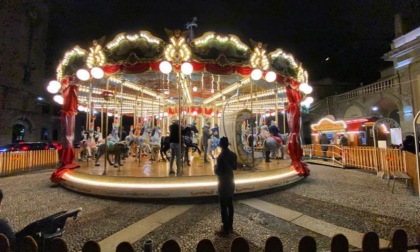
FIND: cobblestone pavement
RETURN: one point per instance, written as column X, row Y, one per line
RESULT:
column 348, row 198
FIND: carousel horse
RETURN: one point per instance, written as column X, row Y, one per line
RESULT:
column 155, row 144
column 132, row 138
column 274, row 144
column 187, row 142
column 164, row 147
column 97, row 135
column 142, row 143
column 215, row 141
column 87, row 145
column 118, row 149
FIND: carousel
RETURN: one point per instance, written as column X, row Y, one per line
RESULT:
column 213, row 82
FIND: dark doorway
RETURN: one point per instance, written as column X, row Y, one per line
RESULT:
column 18, row 134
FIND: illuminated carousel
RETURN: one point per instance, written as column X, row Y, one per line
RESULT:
column 214, row 78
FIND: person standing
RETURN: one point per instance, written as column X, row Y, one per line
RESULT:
column 5, row 227
column 175, row 146
column 344, row 141
column 325, row 142
column 226, row 163
column 205, row 140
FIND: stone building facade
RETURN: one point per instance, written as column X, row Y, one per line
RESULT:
column 26, row 110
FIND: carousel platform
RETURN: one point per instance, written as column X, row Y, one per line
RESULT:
column 151, row 179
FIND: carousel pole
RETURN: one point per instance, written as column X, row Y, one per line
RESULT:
column 276, row 106
column 141, row 107
column 252, row 126
column 102, row 119
column 106, row 130
column 121, row 113
column 135, row 113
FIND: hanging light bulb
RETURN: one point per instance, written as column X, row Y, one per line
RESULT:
column 53, row 87
column 83, row 74
column 194, row 89
column 59, row 99
column 186, row 68
column 97, row 72
column 270, row 76
column 165, row 67
column 256, row 74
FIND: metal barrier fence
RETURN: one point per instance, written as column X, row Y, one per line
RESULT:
column 18, row 161
column 379, row 160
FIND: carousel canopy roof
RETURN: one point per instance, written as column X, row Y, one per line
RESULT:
column 221, row 68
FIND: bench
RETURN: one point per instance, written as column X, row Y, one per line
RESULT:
column 394, row 175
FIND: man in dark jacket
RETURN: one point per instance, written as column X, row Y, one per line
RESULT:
column 226, row 163
column 5, row 227
column 174, row 143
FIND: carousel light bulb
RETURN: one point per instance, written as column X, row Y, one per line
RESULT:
column 308, row 90
column 256, row 74
column 59, row 99
column 194, row 113
column 81, row 108
column 303, row 86
column 54, row 86
column 165, row 67
column 186, row 68
column 194, row 89
column 97, row 73
column 270, row 76
column 83, row 74
column 109, row 114
column 309, row 100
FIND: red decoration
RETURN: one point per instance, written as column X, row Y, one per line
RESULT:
column 217, row 69
column 244, row 70
column 197, row 66
column 136, row 68
column 155, row 65
column 67, row 127
column 111, row 69
column 293, row 119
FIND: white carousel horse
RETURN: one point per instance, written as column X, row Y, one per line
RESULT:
column 275, row 145
column 155, row 144
column 143, row 144
column 87, row 145
column 98, row 137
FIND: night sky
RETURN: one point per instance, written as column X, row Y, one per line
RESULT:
column 354, row 35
